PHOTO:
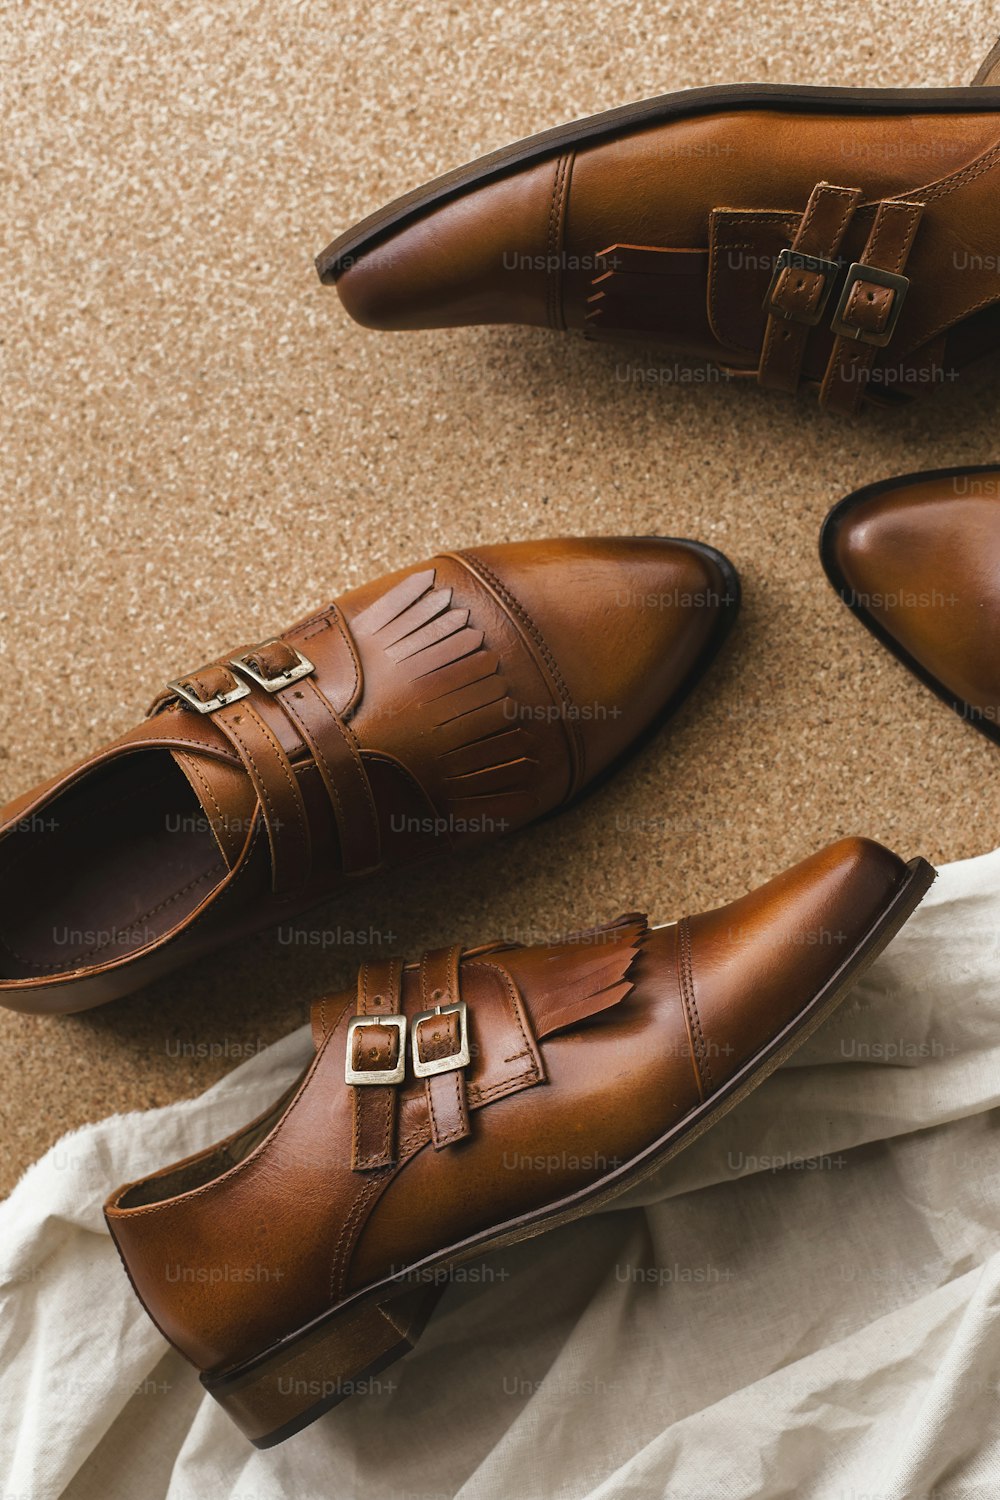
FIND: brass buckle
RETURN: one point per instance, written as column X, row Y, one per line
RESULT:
column 898, row 284
column 793, row 260
column 207, row 705
column 457, row 1059
column 302, row 667
column 376, row 1075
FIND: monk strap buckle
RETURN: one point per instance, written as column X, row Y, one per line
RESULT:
column 870, row 275
column 794, row 260
column 276, row 681
column 181, row 686
column 458, row 1058
column 391, row 1072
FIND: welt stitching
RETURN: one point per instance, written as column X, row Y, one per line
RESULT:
column 204, row 782
column 513, row 998
column 352, row 652
column 966, row 175
column 690, row 1003
column 317, row 750
column 285, row 771
column 515, row 605
column 435, row 1132
column 347, row 1233
column 459, row 1130
column 477, row 1095
column 380, row 1156
column 556, row 211
column 354, row 750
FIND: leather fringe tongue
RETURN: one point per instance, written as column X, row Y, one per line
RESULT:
column 227, row 799
column 583, row 975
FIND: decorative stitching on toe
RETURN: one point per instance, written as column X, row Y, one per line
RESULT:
column 545, row 651
column 556, row 226
column 686, row 973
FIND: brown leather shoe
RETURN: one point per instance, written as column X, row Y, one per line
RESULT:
column 473, row 1100
column 845, row 239
column 442, row 705
column 918, row 561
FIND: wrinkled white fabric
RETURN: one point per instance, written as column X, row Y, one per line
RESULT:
column 805, row 1304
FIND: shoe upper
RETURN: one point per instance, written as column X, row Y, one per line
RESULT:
column 430, row 710
column 673, row 231
column 581, row 1057
column 919, row 560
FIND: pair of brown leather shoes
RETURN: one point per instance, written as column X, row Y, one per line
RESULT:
column 432, row 709
column 840, row 240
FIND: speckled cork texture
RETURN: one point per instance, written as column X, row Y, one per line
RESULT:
column 200, row 447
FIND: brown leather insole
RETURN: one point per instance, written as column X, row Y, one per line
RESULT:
column 112, row 865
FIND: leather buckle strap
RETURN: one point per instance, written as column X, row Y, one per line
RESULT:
column 862, row 292
column 210, row 688
column 440, row 1041
column 803, row 284
column 337, row 755
column 444, row 1050
column 871, row 304
column 815, row 275
column 374, row 1055
column 217, row 690
column 274, row 665
column 375, row 1063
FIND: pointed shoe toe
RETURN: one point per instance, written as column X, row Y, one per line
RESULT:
column 917, row 560
column 623, row 626
column 482, row 258
column 749, row 966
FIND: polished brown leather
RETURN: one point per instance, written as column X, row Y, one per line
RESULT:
column 849, row 250
column 582, row 1055
column 918, row 559
column 433, row 709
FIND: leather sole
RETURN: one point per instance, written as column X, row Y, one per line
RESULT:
column 828, row 556
column 364, row 236
column 292, row 1383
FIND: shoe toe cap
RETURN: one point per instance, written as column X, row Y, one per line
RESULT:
column 758, row 962
column 921, row 561
column 622, row 626
column 481, row 257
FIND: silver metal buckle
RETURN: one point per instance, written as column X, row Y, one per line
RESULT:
column 208, row 705
column 457, row 1059
column 376, row 1075
column 792, row 260
column 858, row 272
column 302, row 668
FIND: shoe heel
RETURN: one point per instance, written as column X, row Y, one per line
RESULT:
column 274, row 1396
